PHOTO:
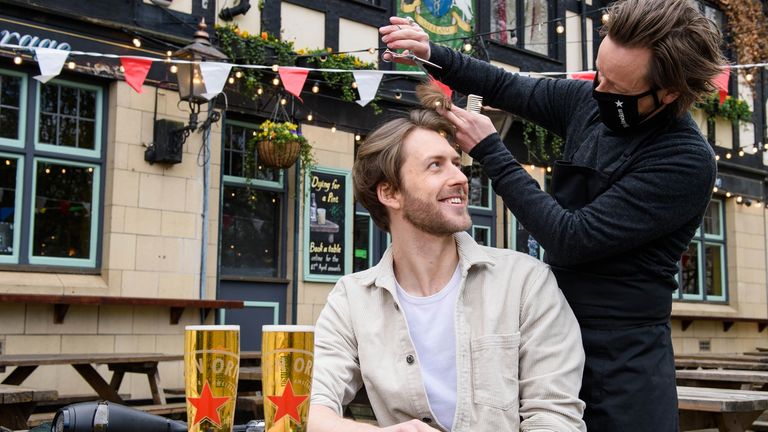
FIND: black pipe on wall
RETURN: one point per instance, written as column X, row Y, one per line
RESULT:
column 228, row 13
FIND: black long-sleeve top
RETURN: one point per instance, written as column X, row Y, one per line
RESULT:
column 615, row 258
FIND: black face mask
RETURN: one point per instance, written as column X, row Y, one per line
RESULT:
column 618, row 111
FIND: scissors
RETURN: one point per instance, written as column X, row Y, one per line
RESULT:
column 420, row 62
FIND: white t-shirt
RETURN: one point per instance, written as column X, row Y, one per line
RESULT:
column 431, row 325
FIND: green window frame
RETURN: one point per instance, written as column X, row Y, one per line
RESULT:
column 480, row 191
column 232, row 154
column 79, row 207
column 77, row 118
column 702, row 270
column 21, row 109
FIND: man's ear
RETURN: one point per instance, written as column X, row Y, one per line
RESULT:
column 670, row 96
column 388, row 195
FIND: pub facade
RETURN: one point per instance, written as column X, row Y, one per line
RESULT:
column 104, row 199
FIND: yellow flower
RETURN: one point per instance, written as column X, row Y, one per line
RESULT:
column 244, row 33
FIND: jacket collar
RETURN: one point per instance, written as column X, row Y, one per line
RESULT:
column 470, row 254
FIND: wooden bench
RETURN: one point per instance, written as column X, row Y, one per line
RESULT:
column 17, row 403
column 161, row 410
column 724, row 409
column 723, row 378
column 682, row 363
column 61, row 303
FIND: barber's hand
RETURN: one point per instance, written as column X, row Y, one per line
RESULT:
column 471, row 128
column 409, row 426
column 405, row 35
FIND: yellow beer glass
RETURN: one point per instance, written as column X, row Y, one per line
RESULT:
column 211, row 365
column 287, row 355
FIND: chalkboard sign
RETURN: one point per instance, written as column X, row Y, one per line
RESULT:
column 327, row 224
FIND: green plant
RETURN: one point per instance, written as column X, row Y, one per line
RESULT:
column 322, row 59
column 280, row 134
column 542, row 144
column 733, row 109
column 244, row 48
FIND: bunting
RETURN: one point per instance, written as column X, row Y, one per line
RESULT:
column 50, row 61
column 367, row 85
column 214, row 77
column 293, row 79
column 136, row 70
column 721, row 82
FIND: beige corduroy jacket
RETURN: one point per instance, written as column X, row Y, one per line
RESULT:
column 519, row 356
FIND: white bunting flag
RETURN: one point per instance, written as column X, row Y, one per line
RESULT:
column 367, row 84
column 214, row 76
column 50, row 61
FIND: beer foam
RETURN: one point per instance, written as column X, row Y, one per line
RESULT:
column 287, row 328
column 212, row 327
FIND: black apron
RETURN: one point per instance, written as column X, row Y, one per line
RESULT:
column 629, row 374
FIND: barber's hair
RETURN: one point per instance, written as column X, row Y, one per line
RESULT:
column 685, row 45
column 380, row 156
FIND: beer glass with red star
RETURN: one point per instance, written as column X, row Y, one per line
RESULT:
column 287, row 354
column 211, row 366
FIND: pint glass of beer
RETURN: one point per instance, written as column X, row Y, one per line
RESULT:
column 211, row 364
column 287, row 354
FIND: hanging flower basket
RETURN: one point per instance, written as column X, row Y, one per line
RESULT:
column 279, row 144
column 278, row 154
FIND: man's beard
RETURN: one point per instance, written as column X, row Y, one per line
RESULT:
column 427, row 217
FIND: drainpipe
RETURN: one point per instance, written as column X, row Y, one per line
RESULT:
column 227, row 14
column 206, row 180
column 295, row 281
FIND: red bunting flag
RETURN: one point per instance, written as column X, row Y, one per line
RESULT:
column 447, row 90
column 136, row 70
column 587, row 76
column 721, row 82
column 293, row 79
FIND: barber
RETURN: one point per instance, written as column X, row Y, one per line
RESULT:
column 632, row 188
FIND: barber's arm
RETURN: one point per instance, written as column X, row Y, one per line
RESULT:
column 336, row 372
column 551, row 359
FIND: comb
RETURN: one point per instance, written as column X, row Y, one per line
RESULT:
column 474, row 103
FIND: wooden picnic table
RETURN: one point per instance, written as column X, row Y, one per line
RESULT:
column 730, row 357
column 682, row 363
column 119, row 363
column 724, row 378
column 17, row 403
column 725, row 409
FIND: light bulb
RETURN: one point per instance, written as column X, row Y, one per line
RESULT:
column 717, row 157
column 71, row 65
column 371, row 50
column 276, row 81
column 168, row 53
column 727, row 194
column 275, row 68
column 739, row 199
column 283, row 101
column 354, row 84
column 259, row 91
column 333, row 129
column 728, row 155
column 749, row 77
column 231, row 80
column 741, row 152
column 310, row 117
column 549, row 169
column 174, row 69
column 122, row 69
column 315, row 88
column 606, row 17
column 714, row 189
column 467, row 47
column 136, row 42
column 398, row 95
column 238, row 74
column 357, row 137
column 560, row 28
column 17, row 59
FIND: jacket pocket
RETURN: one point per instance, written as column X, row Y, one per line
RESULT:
column 494, row 370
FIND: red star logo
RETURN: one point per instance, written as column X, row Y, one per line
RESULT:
column 207, row 406
column 288, row 404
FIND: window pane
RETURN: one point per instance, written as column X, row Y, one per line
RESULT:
column 250, row 232
column 88, row 104
column 713, row 277
column 689, row 277
column 68, row 132
column 86, row 134
column 478, row 185
column 68, row 101
column 9, row 123
column 63, row 200
column 49, row 98
column 712, row 225
column 48, row 129
column 482, row 235
column 503, row 17
column 361, row 235
column 537, row 26
column 10, row 91
column 8, row 168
